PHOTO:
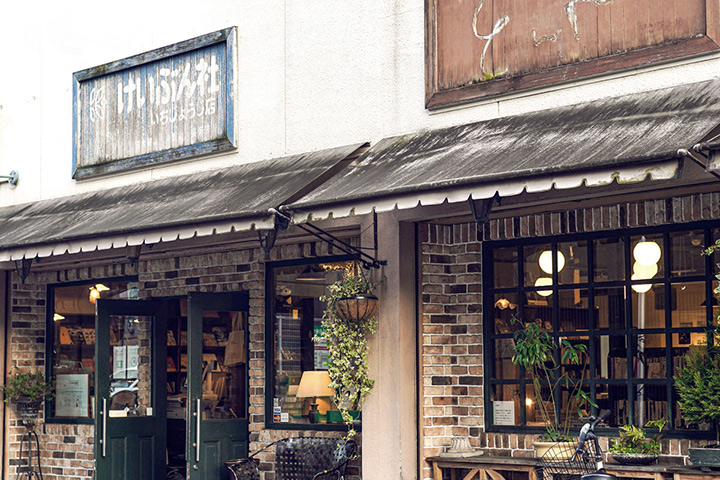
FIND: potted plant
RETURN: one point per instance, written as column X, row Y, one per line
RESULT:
column 634, row 448
column 346, row 337
column 27, row 391
column 535, row 351
column 698, row 387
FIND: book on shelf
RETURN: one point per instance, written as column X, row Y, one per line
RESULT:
column 89, row 335
column 65, row 336
column 221, row 336
column 209, row 340
column 171, row 365
column 171, row 338
column 183, row 339
column 88, row 363
column 183, row 361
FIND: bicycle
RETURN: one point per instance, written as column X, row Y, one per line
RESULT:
column 581, row 462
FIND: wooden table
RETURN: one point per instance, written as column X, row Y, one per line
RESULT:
column 488, row 467
column 484, row 467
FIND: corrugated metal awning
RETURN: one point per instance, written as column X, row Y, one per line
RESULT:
column 624, row 139
column 220, row 201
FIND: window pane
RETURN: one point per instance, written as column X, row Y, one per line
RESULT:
column 505, row 308
column 686, row 253
column 651, row 403
column 538, row 310
column 610, row 308
column 130, row 365
column 609, row 259
column 301, row 393
column 648, row 308
column 73, row 359
column 224, row 366
column 506, row 404
column 615, row 399
column 647, row 257
column 574, row 257
column 575, row 369
column 533, row 270
column 505, row 266
column 687, row 301
column 681, row 347
column 611, row 352
column 504, row 351
column 649, row 359
column 574, row 310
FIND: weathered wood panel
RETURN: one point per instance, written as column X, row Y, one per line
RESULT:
column 170, row 103
column 475, row 42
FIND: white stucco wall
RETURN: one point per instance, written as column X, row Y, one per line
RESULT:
column 312, row 74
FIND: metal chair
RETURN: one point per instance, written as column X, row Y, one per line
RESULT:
column 300, row 458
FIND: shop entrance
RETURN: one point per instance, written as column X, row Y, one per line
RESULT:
column 172, row 386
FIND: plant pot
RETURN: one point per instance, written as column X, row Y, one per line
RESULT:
column 705, row 458
column 552, row 451
column 356, row 309
column 634, row 458
column 28, row 410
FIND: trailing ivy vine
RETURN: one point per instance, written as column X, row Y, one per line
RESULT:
column 347, row 344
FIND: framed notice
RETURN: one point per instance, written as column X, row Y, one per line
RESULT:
column 72, row 395
column 504, row 412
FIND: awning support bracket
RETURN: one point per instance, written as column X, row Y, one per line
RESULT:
column 12, row 179
column 699, row 149
column 481, row 208
column 23, row 268
column 283, row 217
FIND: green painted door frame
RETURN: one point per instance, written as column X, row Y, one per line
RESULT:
column 210, row 442
column 131, row 447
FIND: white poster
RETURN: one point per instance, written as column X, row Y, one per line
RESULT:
column 504, row 412
column 119, row 363
column 132, row 361
column 72, row 395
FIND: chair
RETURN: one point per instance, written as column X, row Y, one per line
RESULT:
column 300, row 458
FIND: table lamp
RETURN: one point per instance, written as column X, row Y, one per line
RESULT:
column 313, row 384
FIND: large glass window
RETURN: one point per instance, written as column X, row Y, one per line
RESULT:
column 71, row 344
column 297, row 365
column 637, row 301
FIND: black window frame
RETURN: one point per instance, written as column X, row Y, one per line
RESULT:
column 490, row 334
column 50, row 342
column 270, row 344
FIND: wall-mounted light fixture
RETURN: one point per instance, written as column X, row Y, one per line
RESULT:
column 95, row 291
column 12, row 179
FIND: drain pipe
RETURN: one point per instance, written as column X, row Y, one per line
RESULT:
column 686, row 153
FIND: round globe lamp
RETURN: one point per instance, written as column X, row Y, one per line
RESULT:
column 546, row 263
column 647, row 252
column 643, row 288
column 544, row 282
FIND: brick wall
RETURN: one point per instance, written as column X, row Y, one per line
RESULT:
column 67, row 450
column 452, row 351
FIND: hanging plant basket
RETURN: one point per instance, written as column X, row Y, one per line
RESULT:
column 357, row 309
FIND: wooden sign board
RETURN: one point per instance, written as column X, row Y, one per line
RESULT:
column 172, row 103
column 484, row 48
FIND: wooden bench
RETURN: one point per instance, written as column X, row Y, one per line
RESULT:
column 488, row 467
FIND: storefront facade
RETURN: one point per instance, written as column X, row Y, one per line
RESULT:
column 154, row 245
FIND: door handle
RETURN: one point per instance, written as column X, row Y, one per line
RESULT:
column 103, row 440
column 198, row 407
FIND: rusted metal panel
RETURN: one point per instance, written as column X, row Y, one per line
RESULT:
column 609, row 133
column 481, row 48
column 171, row 103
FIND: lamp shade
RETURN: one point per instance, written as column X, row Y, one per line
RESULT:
column 315, row 383
column 544, row 282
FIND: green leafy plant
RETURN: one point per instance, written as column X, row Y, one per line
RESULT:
column 698, row 382
column 634, row 439
column 535, row 350
column 347, row 344
column 28, row 386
